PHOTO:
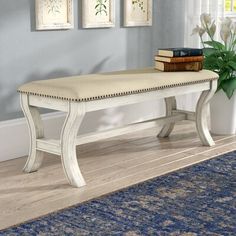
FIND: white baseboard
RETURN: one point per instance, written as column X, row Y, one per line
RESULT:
column 14, row 136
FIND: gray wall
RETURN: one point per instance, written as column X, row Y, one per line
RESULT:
column 26, row 54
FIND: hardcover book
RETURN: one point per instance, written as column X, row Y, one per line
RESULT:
column 180, row 52
column 179, row 59
column 184, row 66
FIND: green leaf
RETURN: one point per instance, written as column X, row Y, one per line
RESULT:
column 220, row 62
column 215, row 44
column 229, row 86
column 234, row 57
column 208, row 51
column 210, row 63
column 224, row 76
column 232, row 64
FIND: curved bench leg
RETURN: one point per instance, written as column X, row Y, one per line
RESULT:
column 201, row 115
column 36, row 131
column 68, row 144
column 170, row 106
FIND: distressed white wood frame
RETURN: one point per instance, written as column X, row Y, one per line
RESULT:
column 65, row 147
column 132, row 23
column 42, row 25
column 87, row 21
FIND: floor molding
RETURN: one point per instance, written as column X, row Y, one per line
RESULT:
column 14, row 136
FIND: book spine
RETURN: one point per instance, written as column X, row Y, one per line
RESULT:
column 179, row 59
column 188, row 53
column 186, row 66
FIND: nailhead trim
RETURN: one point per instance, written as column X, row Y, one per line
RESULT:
column 118, row 94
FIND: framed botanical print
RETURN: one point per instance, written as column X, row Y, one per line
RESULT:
column 137, row 13
column 54, row 14
column 98, row 13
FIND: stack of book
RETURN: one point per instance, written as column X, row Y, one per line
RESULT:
column 179, row 59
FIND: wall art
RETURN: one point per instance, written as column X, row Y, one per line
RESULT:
column 137, row 13
column 98, row 13
column 54, row 14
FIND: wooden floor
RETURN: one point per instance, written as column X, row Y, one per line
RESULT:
column 107, row 166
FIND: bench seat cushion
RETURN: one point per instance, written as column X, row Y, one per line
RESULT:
column 120, row 83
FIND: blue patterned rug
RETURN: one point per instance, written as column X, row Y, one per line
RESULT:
column 198, row 200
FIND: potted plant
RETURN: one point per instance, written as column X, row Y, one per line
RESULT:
column 220, row 57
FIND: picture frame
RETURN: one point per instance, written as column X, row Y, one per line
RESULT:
column 137, row 13
column 54, row 14
column 98, row 14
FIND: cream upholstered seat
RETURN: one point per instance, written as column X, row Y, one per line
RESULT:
column 100, row 86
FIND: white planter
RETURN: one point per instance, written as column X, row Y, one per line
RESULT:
column 223, row 114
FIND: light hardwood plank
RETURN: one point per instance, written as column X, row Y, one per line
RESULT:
column 107, row 166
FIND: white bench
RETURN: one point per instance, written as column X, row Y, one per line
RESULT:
column 80, row 94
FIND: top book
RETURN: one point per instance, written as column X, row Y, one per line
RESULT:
column 180, row 52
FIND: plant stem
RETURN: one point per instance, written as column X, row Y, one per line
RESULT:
column 202, row 42
column 233, row 38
